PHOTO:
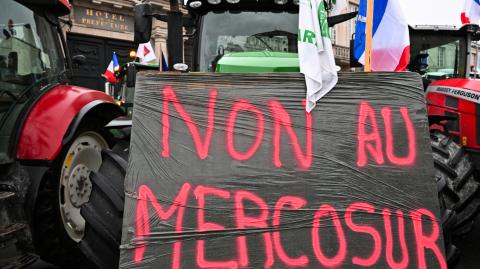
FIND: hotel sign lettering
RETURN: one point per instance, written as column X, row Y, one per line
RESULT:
column 104, row 20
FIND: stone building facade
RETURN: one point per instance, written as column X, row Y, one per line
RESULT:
column 101, row 27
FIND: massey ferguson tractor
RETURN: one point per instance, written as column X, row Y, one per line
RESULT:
column 51, row 138
column 441, row 54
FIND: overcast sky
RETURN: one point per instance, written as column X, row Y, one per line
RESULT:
column 433, row 12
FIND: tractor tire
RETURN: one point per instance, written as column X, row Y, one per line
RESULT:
column 57, row 223
column 458, row 191
column 103, row 213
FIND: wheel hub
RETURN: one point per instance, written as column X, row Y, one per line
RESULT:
column 80, row 186
column 83, row 157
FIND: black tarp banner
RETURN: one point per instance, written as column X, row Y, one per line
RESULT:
column 229, row 171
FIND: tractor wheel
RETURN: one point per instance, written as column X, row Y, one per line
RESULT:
column 58, row 224
column 104, row 211
column 458, row 190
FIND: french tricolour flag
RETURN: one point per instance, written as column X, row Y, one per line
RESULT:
column 471, row 12
column 109, row 73
column 390, row 41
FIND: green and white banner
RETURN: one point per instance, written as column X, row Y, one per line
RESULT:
column 315, row 51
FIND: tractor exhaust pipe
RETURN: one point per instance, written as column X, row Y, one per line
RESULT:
column 175, row 35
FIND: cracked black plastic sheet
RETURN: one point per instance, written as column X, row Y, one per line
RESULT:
column 249, row 193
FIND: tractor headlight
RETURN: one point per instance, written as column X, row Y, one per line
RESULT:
column 233, row 1
column 195, row 4
column 214, row 2
column 281, row 2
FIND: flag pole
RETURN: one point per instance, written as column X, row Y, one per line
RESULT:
column 368, row 36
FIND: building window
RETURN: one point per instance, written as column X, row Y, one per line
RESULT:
column 441, row 56
column 333, row 34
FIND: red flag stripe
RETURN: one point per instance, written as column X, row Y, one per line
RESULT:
column 404, row 59
column 464, row 18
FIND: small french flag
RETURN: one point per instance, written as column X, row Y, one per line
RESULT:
column 390, row 40
column 112, row 67
column 471, row 12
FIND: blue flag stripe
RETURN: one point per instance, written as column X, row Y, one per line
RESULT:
column 378, row 12
column 115, row 60
column 164, row 63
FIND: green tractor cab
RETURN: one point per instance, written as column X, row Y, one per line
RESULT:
column 258, row 62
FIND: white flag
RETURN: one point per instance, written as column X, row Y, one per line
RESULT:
column 146, row 53
column 315, row 51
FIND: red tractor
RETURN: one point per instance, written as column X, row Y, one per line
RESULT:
column 441, row 54
column 51, row 138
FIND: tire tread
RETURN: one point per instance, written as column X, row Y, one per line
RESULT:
column 458, row 191
column 103, row 213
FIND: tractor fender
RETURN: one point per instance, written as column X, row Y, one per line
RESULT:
column 54, row 119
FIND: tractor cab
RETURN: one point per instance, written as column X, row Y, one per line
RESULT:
column 245, row 36
column 30, row 59
column 442, row 55
column 441, row 52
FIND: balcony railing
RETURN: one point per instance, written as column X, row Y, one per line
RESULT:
column 341, row 53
